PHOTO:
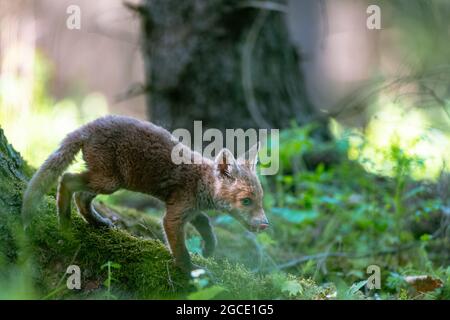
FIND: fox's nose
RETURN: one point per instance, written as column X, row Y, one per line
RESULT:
column 261, row 223
column 263, row 226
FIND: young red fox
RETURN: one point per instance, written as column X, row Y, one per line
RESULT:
column 122, row 152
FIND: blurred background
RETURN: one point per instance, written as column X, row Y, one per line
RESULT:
column 231, row 64
column 363, row 113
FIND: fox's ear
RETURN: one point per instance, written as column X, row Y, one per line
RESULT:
column 225, row 163
column 250, row 158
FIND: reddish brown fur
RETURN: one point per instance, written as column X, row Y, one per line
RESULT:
column 122, row 152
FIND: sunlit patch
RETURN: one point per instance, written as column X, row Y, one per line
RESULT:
column 36, row 126
column 396, row 131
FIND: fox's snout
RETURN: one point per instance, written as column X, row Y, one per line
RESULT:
column 260, row 223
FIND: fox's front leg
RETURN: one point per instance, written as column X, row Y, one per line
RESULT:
column 173, row 223
column 202, row 223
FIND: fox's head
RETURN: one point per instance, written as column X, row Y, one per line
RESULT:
column 238, row 188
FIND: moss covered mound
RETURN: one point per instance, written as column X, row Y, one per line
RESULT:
column 138, row 267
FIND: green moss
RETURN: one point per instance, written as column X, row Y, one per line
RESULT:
column 146, row 268
column 241, row 283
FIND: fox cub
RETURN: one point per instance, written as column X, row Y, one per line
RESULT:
column 122, row 152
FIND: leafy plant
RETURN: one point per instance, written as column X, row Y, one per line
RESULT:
column 109, row 266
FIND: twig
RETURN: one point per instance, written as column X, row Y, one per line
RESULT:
column 144, row 225
column 58, row 286
column 438, row 99
column 135, row 90
column 356, row 101
column 349, row 255
column 169, row 278
column 137, row 8
column 266, row 5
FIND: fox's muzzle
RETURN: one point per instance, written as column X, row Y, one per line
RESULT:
column 254, row 224
column 260, row 223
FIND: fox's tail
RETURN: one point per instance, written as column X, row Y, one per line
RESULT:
column 49, row 173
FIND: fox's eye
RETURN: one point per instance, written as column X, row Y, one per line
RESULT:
column 246, row 201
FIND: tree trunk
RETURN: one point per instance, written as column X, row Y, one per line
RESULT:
column 12, row 177
column 223, row 62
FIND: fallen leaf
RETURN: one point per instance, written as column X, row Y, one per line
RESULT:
column 424, row 283
column 92, row 285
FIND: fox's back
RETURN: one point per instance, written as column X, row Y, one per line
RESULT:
column 136, row 152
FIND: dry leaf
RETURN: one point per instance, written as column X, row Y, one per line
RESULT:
column 424, row 283
column 92, row 285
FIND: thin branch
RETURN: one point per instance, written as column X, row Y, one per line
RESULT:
column 137, row 8
column 348, row 255
column 438, row 99
column 58, row 285
column 356, row 102
column 135, row 90
column 169, row 278
column 266, row 5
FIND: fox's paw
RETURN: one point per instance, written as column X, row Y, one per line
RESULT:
column 209, row 247
column 104, row 223
column 208, row 251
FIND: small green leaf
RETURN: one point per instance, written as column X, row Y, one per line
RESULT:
column 265, row 239
column 292, row 287
column 425, row 237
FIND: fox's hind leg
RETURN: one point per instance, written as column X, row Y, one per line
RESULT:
column 83, row 200
column 96, row 183
column 86, row 186
column 68, row 184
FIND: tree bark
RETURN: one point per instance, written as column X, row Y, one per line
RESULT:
column 12, row 177
column 224, row 62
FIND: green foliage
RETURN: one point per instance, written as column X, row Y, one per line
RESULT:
column 110, row 266
column 343, row 219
